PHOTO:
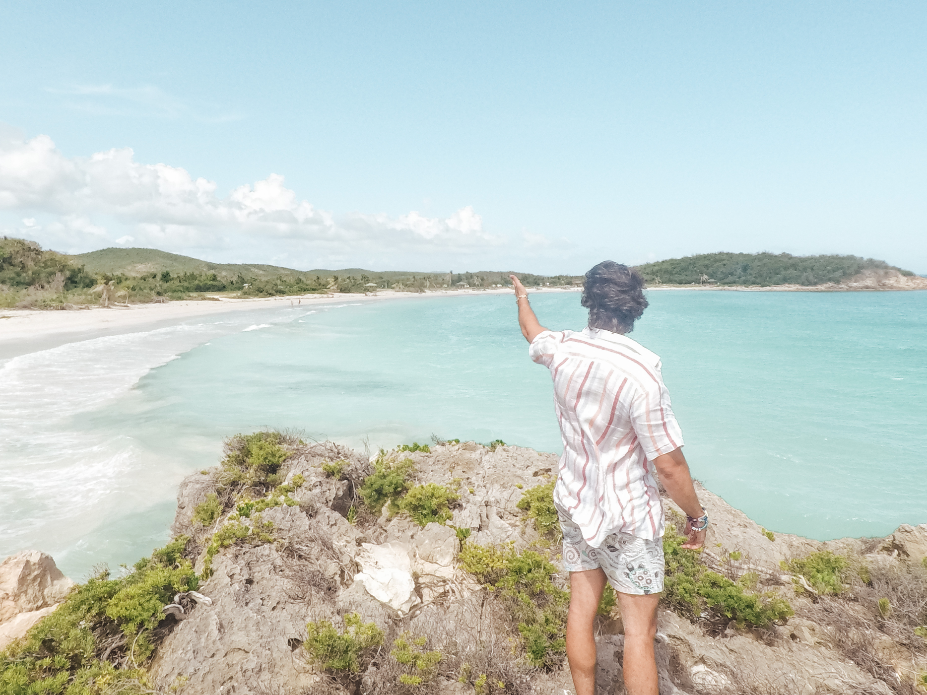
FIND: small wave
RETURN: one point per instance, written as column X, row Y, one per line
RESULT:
column 256, row 327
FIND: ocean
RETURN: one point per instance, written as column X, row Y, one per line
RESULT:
column 808, row 411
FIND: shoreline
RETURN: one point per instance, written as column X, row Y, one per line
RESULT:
column 30, row 330
column 23, row 331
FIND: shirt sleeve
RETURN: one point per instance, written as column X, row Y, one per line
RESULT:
column 653, row 419
column 544, row 347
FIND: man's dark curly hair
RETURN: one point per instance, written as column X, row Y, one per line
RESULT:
column 614, row 295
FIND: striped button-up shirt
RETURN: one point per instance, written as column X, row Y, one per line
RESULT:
column 615, row 418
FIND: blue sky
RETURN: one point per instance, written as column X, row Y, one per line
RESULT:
column 538, row 136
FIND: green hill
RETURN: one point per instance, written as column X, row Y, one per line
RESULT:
column 759, row 269
column 137, row 262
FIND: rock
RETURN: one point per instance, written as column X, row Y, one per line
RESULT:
column 30, row 581
column 704, row 678
column 387, row 575
column 250, row 639
column 318, row 566
column 19, row 625
column 436, row 544
column 908, row 541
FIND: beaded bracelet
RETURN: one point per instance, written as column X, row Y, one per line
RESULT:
column 702, row 522
column 520, row 296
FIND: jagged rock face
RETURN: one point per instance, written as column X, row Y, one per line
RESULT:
column 31, row 587
column 403, row 577
column 908, row 541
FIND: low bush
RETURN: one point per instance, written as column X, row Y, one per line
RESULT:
column 415, row 446
column 608, row 601
column 428, row 503
column 208, row 511
column 495, row 444
column 538, row 607
column 388, row 482
column 539, row 503
column 279, row 496
column 253, row 459
column 348, row 651
column 99, row 639
column 824, row 571
column 234, row 532
column 420, row 665
column 693, row 590
column 334, row 469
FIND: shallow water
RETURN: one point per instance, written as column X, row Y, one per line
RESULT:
column 807, row 411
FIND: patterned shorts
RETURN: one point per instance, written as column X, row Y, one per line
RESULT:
column 632, row 565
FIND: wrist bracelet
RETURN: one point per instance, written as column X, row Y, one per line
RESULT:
column 520, row 296
column 698, row 523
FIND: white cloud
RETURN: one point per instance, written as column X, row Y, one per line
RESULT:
column 109, row 197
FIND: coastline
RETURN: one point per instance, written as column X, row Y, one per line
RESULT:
column 29, row 330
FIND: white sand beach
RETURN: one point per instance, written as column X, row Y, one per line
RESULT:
column 23, row 331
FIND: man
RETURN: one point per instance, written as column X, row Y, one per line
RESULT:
column 617, row 426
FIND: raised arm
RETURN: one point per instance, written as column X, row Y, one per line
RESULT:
column 527, row 321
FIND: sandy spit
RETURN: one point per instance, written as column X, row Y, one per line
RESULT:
column 23, row 331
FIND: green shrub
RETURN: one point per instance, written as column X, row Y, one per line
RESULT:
column 537, row 606
column 421, row 666
column 823, row 571
column 539, row 503
column 208, row 511
column 61, row 653
column 234, row 532
column 388, row 482
column 921, row 631
column 334, row 469
column 495, row 444
column 769, row 534
column 344, row 651
column 428, row 503
column 693, row 590
column 279, row 496
column 608, row 601
column 253, row 459
column 885, row 607
column 415, row 446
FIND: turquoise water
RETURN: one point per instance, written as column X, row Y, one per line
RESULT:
column 805, row 410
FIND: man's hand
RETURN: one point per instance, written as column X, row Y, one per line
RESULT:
column 696, row 539
column 527, row 321
column 519, row 288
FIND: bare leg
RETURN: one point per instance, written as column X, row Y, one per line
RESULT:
column 585, row 593
column 639, row 615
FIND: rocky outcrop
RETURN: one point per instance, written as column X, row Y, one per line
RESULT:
column 31, row 587
column 403, row 577
column 313, row 564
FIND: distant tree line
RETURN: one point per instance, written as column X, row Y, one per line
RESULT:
column 761, row 269
column 24, row 264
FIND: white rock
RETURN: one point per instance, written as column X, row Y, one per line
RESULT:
column 30, row 581
column 436, row 544
column 387, row 575
column 704, row 677
column 19, row 625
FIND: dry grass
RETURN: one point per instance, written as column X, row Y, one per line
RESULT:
column 858, row 630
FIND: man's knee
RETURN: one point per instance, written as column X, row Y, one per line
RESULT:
column 641, row 630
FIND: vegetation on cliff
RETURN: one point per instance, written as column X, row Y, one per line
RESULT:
column 100, row 639
column 498, row 626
